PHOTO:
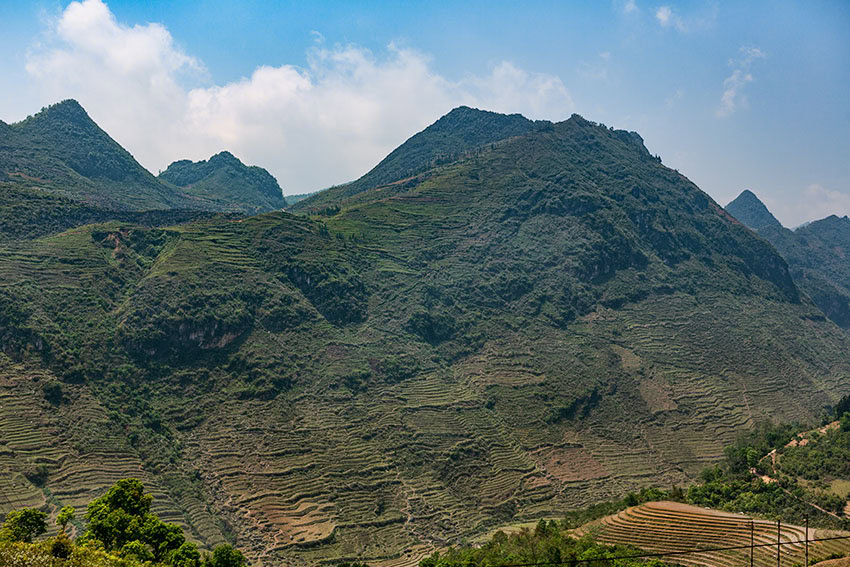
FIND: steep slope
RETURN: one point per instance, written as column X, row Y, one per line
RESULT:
column 817, row 254
column 63, row 151
column 227, row 182
column 554, row 319
column 748, row 209
column 459, row 131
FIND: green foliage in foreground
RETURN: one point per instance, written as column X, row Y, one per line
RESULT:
column 121, row 531
column 546, row 543
column 41, row 554
column 23, row 525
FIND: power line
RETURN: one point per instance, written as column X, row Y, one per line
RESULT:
column 669, row 553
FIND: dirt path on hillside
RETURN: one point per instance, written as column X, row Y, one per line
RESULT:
column 800, row 440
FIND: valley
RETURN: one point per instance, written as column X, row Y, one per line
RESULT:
column 540, row 317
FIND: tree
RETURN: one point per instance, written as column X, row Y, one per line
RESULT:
column 752, row 457
column 117, row 517
column 163, row 538
column 225, row 556
column 66, row 514
column 122, row 516
column 186, row 556
column 136, row 550
column 23, row 525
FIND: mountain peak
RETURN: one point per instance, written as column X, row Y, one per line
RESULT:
column 225, row 156
column 225, row 177
column 460, row 130
column 69, row 110
column 750, row 211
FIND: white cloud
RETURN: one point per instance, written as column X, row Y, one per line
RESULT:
column 630, row 7
column 818, row 202
column 310, row 126
column 668, row 18
column 664, row 15
column 733, row 96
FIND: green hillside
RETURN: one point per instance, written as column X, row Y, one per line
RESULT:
column 461, row 130
column 227, row 182
column 27, row 213
column 550, row 320
column 60, row 151
column 817, row 254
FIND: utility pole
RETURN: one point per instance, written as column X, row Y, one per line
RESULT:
column 753, row 542
column 807, row 540
column 778, row 543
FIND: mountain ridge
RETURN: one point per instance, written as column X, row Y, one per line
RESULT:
column 224, row 178
column 62, row 151
column 816, row 253
column 535, row 324
column 460, row 130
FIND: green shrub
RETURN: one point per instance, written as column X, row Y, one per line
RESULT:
column 23, row 525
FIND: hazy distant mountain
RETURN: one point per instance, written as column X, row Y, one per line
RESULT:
column 818, row 253
column 227, row 182
column 292, row 199
column 748, row 209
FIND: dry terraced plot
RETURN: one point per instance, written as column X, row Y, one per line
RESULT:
column 672, row 527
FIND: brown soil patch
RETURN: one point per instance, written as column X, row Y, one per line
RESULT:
column 656, row 394
column 571, row 464
column 628, row 359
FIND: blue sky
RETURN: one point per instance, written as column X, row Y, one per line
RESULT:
column 733, row 94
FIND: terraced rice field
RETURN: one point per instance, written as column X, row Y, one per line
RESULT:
column 672, row 527
column 390, row 469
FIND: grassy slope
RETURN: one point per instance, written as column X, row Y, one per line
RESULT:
column 549, row 321
column 27, row 213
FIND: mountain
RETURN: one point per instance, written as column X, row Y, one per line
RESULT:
column 226, row 181
column 748, row 209
column 461, row 130
column 292, row 199
column 539, row 323
column 60, row 151
column 818, row 254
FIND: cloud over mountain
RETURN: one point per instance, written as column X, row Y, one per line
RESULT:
column 348, row 102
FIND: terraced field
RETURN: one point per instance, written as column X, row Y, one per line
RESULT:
column 549, row 323
column 672, row 527
column 83, row 454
